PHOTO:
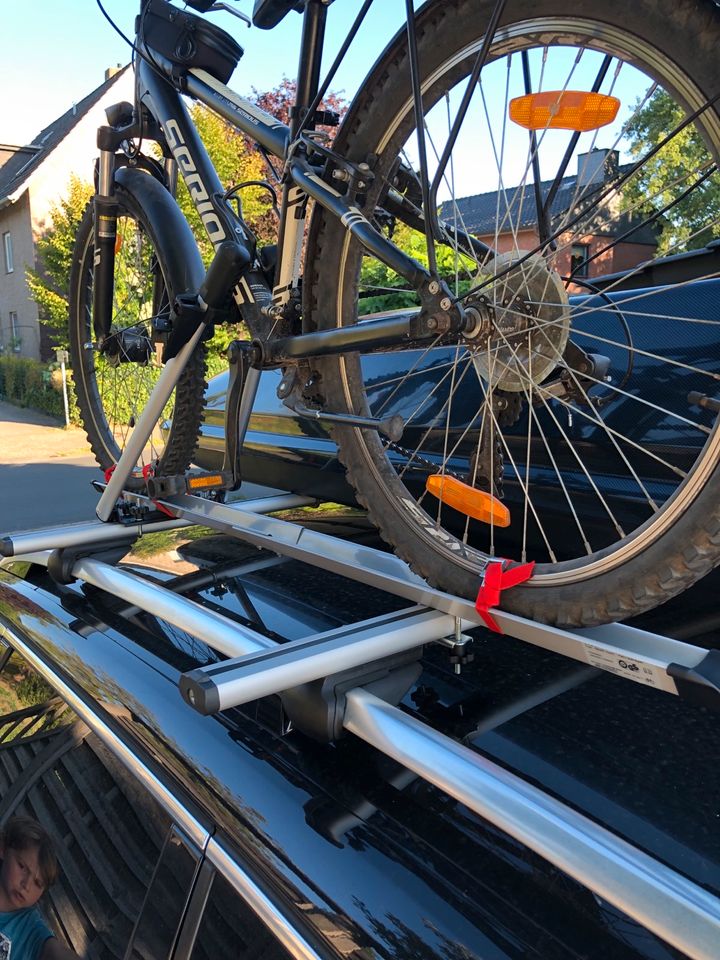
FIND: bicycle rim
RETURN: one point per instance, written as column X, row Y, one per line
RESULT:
column 595, row 465
column 114, row 379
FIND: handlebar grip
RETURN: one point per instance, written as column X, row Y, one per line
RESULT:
column 228, row 265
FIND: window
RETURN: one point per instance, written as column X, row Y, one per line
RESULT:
column 119, row 857
column 579, row 253
column 7, row 244
column 230, row 930
column 165, row 899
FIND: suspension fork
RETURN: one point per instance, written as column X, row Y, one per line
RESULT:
column 104, row 239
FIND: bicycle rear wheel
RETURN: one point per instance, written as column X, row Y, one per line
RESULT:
column 581, row 400
column 113, row 380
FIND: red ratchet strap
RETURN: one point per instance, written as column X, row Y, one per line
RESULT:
column 149, row 471
column 494, row 580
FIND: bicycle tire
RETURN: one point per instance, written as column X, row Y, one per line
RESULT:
column 675, row 43
column 111, row 392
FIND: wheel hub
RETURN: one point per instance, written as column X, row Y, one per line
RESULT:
column 131, row 345
column 529, row 323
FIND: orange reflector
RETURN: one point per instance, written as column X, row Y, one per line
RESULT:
column 205, row 481
column 564, row 110
column 118, row 244
column 468, row 500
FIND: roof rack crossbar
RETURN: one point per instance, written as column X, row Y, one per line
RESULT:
column 97, row 531
column 681, row 669
column 233, row 682
column 662, row 900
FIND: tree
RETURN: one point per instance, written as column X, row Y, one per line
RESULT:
column 280, row 99
column 49, row 284
column 235, row 163
column 237, row 160
column 692, row 222
column 377, row 281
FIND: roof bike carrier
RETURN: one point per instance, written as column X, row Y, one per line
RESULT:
column 351, row 679
column 679, row 668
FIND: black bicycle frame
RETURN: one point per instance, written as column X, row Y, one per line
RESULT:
column 161, row 98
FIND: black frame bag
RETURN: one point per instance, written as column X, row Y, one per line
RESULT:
column 189, row 41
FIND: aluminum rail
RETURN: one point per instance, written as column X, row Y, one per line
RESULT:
column 98, row 532
column 228, row 684
column 647, row 658
column 663, row 901
column 650, row 659
column 91, row 532
column 219, row 632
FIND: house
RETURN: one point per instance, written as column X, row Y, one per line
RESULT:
column 32, row 180
column 586, row 255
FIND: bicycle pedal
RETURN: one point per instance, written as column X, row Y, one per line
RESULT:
column 160, row 488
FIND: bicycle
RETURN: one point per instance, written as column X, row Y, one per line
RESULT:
column 522, row 328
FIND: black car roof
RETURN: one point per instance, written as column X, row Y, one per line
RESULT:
column 398, row 865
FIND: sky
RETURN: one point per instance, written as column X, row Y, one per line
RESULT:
column 55, row 52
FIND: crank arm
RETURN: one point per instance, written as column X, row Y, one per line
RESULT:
column 239, row 401
column 391, row 427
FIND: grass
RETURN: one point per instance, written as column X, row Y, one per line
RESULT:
column 21, row 686
column 9, row 700
column 335, row 510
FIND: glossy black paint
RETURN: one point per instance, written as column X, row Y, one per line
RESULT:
column 286, row 451
column 378, row 854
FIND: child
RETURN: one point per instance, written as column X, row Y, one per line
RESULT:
column 28, row 868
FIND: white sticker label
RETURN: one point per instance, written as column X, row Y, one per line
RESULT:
column 623, row 666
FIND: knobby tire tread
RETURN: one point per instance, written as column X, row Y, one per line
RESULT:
column 190, row 390
column 672, row 562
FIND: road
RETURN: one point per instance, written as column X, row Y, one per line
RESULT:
column 45, row 472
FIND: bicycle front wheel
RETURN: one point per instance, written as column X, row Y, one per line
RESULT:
column 580, row 400
column 114, row 379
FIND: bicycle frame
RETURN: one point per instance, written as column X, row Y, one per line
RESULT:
column 160, row 97
column 166, row 106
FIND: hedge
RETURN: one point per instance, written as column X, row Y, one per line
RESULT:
column 29, row 383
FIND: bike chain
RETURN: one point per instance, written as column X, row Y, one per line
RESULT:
column 416, row 458
column 506, row 417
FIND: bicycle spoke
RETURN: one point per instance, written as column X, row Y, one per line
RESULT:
column 587, row 417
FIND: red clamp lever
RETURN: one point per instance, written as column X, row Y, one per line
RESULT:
column 495, row 579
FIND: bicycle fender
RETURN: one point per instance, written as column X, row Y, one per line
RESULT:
column 169, row 227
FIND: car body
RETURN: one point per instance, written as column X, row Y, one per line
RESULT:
column 290, row 452
column 239, row 835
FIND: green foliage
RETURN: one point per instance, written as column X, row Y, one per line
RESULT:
column 49, row 284
column 28, row 383
column 693, row 221
column 374, row 275
column 33, row 689
column 152, row 544
column 235, row 163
